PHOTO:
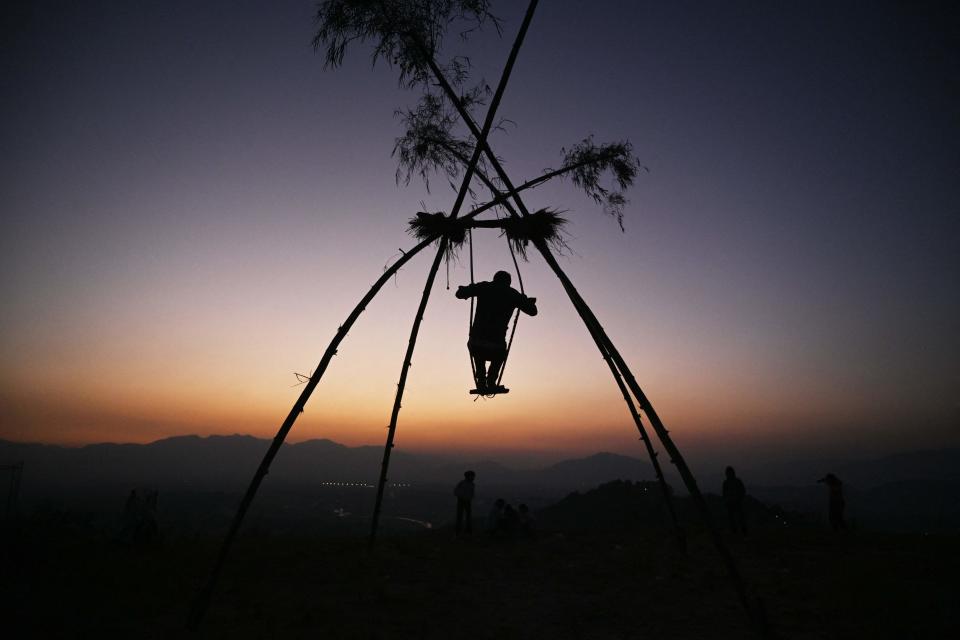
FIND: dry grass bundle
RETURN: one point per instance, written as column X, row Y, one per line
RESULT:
column 545, row 224
column 426, row 225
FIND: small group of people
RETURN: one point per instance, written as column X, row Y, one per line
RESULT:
column 734, row 493
column 503, row 520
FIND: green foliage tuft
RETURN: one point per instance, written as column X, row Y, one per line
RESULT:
column 428, row 144
column 592, row 161
column 408, row 35
column 405, row 33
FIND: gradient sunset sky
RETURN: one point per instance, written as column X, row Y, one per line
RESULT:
column 192, row 205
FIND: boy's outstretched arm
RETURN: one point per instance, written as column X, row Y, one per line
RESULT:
column 528, row 305
column 466, row 291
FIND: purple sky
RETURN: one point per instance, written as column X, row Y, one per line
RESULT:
column 192, row 205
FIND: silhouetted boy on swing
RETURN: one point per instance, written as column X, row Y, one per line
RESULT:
column 496, row 301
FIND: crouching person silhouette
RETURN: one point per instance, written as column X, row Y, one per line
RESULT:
column 496, row 301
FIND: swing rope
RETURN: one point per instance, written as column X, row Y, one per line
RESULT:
column 516, row 316
column 473, row 364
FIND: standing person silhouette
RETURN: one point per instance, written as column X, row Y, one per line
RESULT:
column 496, row 301
column 464, row 492
column 733, row 494
column 836, row 502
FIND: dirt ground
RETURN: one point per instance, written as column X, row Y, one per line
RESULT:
column 62, row 583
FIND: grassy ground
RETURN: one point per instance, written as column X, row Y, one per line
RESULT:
column 62, row 583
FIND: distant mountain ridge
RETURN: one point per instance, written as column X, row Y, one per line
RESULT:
column 938, row 464
column 226, row 463
column 909, row 491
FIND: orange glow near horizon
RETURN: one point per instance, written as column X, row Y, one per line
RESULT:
column 186, row 227
column 566, row 406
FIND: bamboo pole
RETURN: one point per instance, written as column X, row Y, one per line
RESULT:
column 401, row 385
column 202, row 600
column 464, row 187
column 678, row 532
column 586, row 314
column 502, row 196
column 603, row 341
column 494, row 105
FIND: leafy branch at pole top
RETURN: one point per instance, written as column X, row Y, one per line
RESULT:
column 402, row 33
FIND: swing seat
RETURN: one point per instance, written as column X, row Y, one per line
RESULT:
column 490, row 391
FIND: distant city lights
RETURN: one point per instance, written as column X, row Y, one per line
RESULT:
column 365, row 485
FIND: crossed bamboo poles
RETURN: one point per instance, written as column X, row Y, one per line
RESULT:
column 633, row 395
column 618, row 366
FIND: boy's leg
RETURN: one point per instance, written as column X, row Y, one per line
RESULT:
column 480, row 375
column 494, row 371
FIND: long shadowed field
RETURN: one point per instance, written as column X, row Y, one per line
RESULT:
column 60, row 583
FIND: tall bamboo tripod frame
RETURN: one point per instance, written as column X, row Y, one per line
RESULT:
column 509, row 197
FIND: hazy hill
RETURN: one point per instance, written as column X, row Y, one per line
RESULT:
column 911, row 491
column 631, row 506
column 942, row 464
column 226, row 463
